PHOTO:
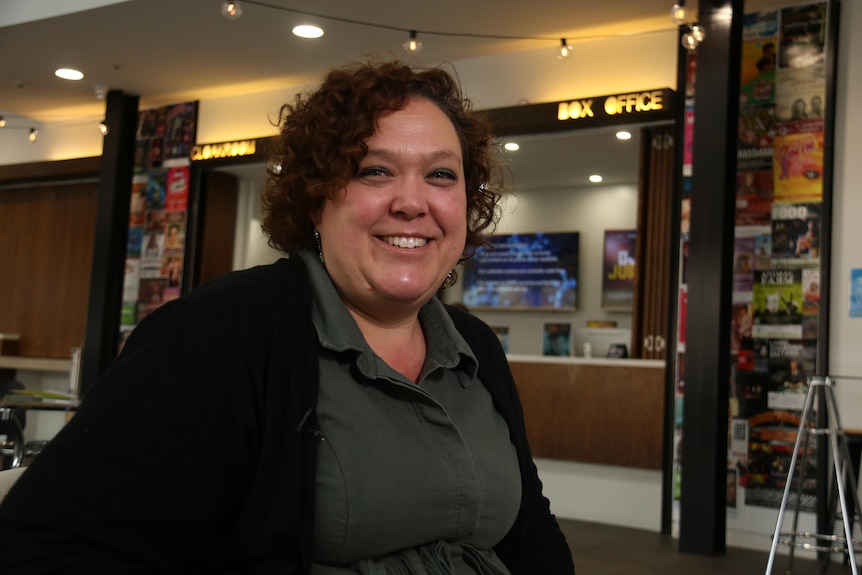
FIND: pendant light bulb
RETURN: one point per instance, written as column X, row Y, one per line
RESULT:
column 565, row 49
column 103, row 127
column 678, row 14
column 689, row 42
column 2, row 122
column 413, row 45
column 33, row 134
column 698, row 32
column 231, row 10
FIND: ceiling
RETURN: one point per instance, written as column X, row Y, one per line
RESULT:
column 168, row 51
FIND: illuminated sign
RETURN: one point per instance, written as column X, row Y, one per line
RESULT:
column 622, row 104
column 615, row 109
column 223, row 150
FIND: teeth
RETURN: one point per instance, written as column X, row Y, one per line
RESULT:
column 405, row 242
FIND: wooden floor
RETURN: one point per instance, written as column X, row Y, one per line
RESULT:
column 608, row 550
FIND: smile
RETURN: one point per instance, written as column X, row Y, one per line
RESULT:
column 404, row 241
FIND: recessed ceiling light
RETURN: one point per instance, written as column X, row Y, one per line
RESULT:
column 512, row 146
column 307, row 31
column 68, row 74
column 624, row 135
column 595, row 178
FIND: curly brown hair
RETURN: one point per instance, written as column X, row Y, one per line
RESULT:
column 323, row 139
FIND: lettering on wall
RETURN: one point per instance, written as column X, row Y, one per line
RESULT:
column 223, row 150
column 607, row 106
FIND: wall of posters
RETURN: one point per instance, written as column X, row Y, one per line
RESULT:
column 155, row 252
column 779, row 198
column 618, row 277
column 524, row 271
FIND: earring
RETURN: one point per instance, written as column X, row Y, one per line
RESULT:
column 319, row 247
column 451, row 279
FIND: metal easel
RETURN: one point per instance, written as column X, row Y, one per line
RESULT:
column 820, row 392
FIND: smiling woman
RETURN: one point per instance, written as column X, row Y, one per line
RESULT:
column 348, row 400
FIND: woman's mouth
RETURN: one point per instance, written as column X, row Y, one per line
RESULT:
column 405, row 241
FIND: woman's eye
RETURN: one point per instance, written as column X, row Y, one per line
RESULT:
column 443, row 174
column 372, row 171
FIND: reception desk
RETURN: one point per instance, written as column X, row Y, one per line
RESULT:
column 602, row 411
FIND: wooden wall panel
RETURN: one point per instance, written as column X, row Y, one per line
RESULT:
column 605, row 414
column 217, row 226
column 46, row 252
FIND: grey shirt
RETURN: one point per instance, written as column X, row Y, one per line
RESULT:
column 411, row 477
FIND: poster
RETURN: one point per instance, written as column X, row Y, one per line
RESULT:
column 618, row 273
column 557, row 339
column 524, row 271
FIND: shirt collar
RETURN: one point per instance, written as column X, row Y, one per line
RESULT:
column 337, row 330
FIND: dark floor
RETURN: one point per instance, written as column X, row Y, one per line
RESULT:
column 608, row 550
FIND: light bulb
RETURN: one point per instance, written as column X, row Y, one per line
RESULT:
column 33, row 134
column 689, row 42
column 565, row 49
column 678, row 14
column 2, row 122
column 231, row 10
column 103, row 127
column 698, row 32
column 412, row 44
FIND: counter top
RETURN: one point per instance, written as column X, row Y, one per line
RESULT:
column 597, row 361
column 35, row 363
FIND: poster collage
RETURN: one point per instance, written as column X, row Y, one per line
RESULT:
column 155, row 252
column 776, row 259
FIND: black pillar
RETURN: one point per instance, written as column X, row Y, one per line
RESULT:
column 109, row 246
column 705, row 408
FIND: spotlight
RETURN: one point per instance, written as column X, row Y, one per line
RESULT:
column 307, row 31
column 68, row 74
column 412, row 44
column 231, row 10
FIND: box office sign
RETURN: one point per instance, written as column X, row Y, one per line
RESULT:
column 614, row 109
column 524, row 271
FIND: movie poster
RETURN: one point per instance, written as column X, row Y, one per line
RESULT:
column 618, row 277
column 777, row 304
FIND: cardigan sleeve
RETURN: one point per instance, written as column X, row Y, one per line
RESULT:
column 535, row 544
column 164, row 467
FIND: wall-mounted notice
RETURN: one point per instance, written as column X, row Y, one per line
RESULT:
column 856, row 292
column 524, row 271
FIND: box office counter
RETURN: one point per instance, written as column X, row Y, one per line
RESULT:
column 593, row 410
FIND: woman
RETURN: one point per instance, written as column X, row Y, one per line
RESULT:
column 325, row 414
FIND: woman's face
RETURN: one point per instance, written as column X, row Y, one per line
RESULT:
column 391, row 236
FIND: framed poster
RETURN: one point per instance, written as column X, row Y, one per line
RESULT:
column 524, row 271
column 618, row 277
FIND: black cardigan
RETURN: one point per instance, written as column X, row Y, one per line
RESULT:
column 195, row 452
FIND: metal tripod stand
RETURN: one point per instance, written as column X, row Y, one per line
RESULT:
column 820, row 392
